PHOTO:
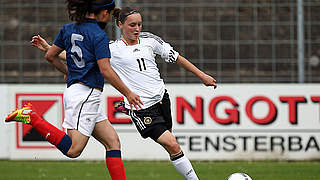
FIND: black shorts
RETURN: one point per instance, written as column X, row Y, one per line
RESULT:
column 155, row 120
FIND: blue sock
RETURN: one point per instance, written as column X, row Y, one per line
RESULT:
column 64, row 144
column 113, row 153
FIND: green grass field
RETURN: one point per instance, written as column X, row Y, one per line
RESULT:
column 156, row 170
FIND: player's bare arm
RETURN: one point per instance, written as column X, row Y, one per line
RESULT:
column 205, row 78
column 43, row 45
column 109, row 74
column 52, row 56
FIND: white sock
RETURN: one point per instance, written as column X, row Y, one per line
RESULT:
column 185, row 168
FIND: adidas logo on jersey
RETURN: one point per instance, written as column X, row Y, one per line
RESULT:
column 136, row 50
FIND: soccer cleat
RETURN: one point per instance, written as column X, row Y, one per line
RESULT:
column 21, row 115
column 119, row 107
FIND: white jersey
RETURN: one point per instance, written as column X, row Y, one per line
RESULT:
column 137, row 68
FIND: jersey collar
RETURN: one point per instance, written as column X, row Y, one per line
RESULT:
column 90, row 20
column 102, row 25
column 126, row 43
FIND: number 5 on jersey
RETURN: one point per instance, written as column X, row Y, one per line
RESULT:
column 77, row 50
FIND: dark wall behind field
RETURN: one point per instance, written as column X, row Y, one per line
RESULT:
column 236, row 41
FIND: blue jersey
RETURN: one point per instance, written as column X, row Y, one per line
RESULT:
column 85, row 43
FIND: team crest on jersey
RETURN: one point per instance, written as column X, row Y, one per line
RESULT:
column 147, row 120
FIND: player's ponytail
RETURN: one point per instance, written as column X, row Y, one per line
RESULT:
column 79, row 9
column 116, row 15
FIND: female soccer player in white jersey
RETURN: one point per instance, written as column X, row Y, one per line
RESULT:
column 87, row 55
column 133, row 58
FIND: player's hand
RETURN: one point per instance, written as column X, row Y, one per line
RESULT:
column 134, row 100
column 65, row 77
column 39, row 42
column 209, row 81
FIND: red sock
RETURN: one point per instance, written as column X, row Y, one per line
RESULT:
column 47, row 130
column 115, row 165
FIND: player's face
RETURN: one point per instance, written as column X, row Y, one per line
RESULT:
column 132, row 27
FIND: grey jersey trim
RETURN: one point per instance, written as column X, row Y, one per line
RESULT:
column 150, row 35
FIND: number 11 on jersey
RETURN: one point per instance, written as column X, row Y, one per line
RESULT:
column 143, row 64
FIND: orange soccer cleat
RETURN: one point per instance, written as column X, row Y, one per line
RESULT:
column 119, row 107
column 21, row 115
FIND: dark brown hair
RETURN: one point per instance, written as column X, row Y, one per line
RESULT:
column 78, row 9
column 122, row 14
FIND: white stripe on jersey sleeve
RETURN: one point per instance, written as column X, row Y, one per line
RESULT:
column 165, row 50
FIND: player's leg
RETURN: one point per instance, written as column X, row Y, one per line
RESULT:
column 71, row 144
column 106, row 135
column 178, row 159
column 79, row 142
column 156, row 122
column 52, row 134
column 77, row 105
column 169, row 142
column 157, row 129
column 81, row 105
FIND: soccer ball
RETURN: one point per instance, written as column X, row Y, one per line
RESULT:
column 239, row 176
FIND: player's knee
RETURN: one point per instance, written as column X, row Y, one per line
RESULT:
column 113, row 144
column 174, row 147
column 74, row 153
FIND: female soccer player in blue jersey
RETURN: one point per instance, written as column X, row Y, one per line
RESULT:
column 133, row 58
column 88, row 56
